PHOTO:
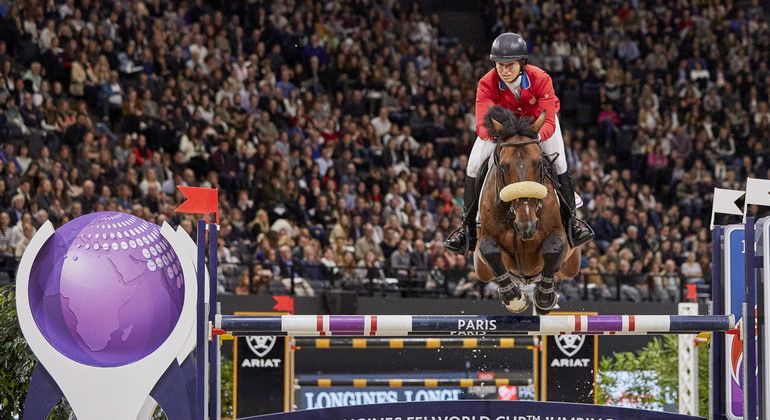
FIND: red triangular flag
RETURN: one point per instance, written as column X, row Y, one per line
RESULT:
column 200, row 200
column 692, row 292
column 284, row 304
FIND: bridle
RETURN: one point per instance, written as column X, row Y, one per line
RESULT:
column 510, row 216
column 500, row 178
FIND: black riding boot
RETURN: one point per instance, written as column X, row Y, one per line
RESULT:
column 465, row 239
column 578, row 232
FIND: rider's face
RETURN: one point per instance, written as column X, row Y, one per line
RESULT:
column 508, row 71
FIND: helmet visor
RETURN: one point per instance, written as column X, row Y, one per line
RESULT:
column 505, row 58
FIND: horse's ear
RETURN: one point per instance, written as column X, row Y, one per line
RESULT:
column 497, row 125
column 538, row 124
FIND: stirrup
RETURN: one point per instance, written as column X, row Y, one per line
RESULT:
column 463, row 249
column 574, row 222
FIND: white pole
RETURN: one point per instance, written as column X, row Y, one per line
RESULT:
column 688, row 366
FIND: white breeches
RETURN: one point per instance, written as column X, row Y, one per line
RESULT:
column 483, row 149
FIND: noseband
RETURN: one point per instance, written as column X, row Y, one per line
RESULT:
column 500, row 178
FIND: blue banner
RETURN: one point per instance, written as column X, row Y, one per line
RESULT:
column 735, row 296
column 477, row 410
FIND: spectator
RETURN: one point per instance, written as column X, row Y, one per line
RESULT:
column 592, row 274
column 627, row 281
column 419, row 261
column 468, row 287
column 244, row 283
column 277, row 120
column 6, row 237
column 687, row 194
column 312, row 267
column 369, row 270
column 366, row 243
column 400, row 263
column 292, row 274
column 112, row 98
column 691, row 269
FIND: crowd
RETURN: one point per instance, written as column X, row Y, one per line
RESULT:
column 337, row 132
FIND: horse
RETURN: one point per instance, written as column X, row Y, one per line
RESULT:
column 521, row 236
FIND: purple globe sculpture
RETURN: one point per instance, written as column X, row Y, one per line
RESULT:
column 106, row 289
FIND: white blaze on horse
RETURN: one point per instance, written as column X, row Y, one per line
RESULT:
column 521, row 237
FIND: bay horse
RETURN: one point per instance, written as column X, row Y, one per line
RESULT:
column 521, row 237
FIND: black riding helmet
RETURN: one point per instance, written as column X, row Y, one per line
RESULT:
column 509, row 47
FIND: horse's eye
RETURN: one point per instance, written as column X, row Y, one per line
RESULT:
column 539, row 164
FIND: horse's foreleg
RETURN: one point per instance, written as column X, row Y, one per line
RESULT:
column 554, row 249
column 510, row 295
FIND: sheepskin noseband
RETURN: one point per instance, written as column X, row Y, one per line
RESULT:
column 524, row 189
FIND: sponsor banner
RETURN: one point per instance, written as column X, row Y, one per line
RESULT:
column 569, row 367
column 317, row 397
column 476, row 410
column 322, row 397
column 262, row 375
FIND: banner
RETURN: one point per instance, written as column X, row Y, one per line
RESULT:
column 734, row 295
column 330, row 397
column 477, row 410
column 262, row 374
column 570, row 363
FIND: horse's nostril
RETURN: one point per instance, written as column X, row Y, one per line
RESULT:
column 527, row 229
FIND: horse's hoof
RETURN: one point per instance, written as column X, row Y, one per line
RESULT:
column 516, row 305
column 545, row 302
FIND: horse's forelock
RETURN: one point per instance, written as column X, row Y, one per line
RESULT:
column 511, row 124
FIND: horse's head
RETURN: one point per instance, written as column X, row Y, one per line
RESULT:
column 519, row 166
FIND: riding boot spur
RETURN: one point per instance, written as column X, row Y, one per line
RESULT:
column 578, row 231
column 465, row 239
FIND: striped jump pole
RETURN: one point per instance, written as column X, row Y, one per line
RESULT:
column 522, row 342
column 404, row 325
column 410, row 382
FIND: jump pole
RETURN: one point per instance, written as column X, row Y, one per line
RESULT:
column 409, row 382
column 404, row 325
column 522, row 342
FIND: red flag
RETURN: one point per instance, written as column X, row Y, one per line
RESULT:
column 200, row 200
column 691, row 292
column 284, row 304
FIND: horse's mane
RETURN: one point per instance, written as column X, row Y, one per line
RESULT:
column 511, row 124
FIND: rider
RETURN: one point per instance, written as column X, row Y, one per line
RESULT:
column 526, row 93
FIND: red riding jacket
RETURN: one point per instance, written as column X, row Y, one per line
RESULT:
column 536, row 95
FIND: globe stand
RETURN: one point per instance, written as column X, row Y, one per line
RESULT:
column 42, row 396
column 172, row 393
